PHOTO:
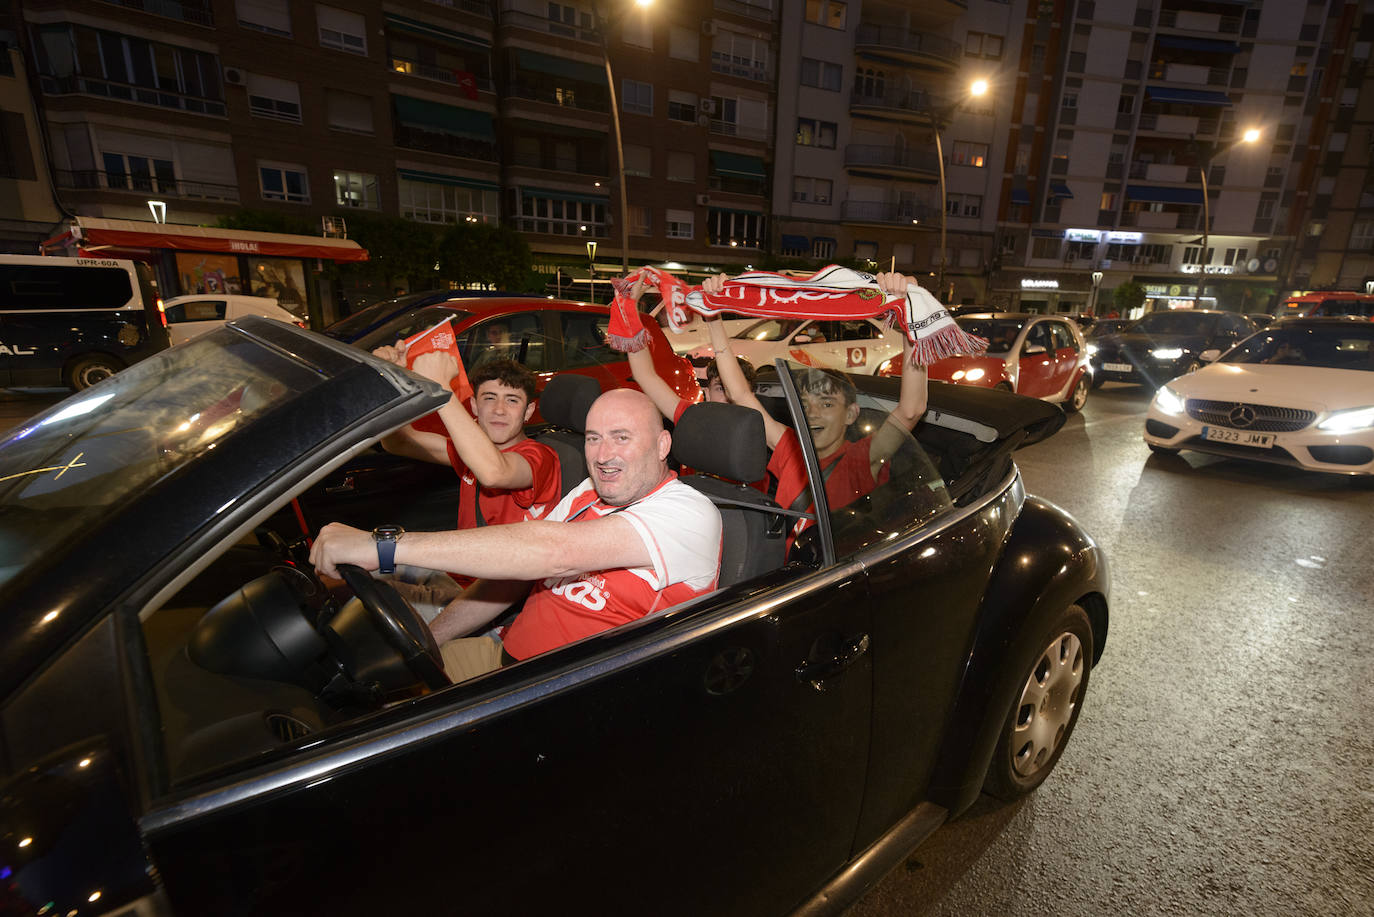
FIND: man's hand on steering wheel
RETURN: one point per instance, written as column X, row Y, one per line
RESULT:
column 342, row 544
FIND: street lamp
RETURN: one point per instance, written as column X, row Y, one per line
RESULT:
column 1250, row 136
column 1097, row 282
column 602, row 27
column 975, row 89
column 591, row 270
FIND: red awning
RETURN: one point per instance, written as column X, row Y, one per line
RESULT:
column 96, row 239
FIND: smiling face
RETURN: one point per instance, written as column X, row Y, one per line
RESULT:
column 626, row 446
column 501, row 412
column 830, row 409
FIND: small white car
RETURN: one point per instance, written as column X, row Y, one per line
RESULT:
column 850, row 345
column 1299, row 393
column 197, row 313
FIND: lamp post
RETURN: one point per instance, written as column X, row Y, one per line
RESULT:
column 591, row 271
column 976, row 88
column 602, row 26
column 1250, row 136
column 1097, row 282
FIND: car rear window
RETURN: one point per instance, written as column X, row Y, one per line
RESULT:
column 32, row 287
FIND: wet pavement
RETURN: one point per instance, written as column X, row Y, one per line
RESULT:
column 1221, row 764
column 20, row 404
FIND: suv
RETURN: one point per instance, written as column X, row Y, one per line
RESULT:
column 75, row 321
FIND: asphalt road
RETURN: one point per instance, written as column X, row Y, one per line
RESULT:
column 1222, row 761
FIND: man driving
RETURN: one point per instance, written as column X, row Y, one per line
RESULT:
column 643, row 542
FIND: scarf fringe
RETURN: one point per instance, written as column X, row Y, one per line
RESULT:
column 631, row 344
column 947, row 342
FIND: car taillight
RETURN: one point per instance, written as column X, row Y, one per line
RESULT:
column 162, row 312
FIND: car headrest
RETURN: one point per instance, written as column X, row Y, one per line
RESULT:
column 566, row 400
column 722, row 439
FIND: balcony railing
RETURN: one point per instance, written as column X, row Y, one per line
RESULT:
column 480, row 7
column 169, row 9
column 727, row 184
column 417, row 138
column 438, row 74
column 913, row 101
column 881, row 36
column 859, row 154
column 523, row 20
column 753, row 11
column 589, row 100
column 80, row 85
column 561, row 227
column 99, row 179
column 743, row 131
column 903, row 212
column 554, row 164
column 748, row 70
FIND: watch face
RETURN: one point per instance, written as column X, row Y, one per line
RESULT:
column 388, row 532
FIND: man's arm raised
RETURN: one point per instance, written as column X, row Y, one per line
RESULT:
column 911, row 401
column 732, row 378
column 646, row 375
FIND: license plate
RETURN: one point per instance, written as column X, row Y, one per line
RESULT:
column 1118, row 367
column 1238, row 437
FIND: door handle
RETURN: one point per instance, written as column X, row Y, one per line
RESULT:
column 816, row 673
column 345, row 487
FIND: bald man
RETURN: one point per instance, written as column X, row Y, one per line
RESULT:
column 644, row 541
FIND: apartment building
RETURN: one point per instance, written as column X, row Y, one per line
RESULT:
column 27, row 206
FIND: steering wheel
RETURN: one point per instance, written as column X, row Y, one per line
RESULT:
column 399, row 625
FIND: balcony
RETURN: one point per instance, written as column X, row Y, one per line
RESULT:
column 1150, row 219
column 886, row 160
column 562, row 96
column 551, row 162
column 751, row 10
column 724, row 63
column 912, row 105
column 101, row 180
column 906, row 45
column 743, row 131
column 1193, row 21
column 899, row 213
column 170, row 9
column 1180, row 125
column 434, row 141
column 480, row 7
column 437, row 74
column 127, row 92
column 519, row 19
column 1159, row 172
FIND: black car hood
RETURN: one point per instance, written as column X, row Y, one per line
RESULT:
column 1012, row 418
column 1139, row 342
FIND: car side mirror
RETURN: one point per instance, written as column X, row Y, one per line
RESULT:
column 1209, row 356
column 1032, row 349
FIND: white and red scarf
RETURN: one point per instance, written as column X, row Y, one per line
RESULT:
column 831, row 293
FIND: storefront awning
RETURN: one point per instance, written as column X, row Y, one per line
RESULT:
column 1152, row 194
column 444, row 119
column 1197, row 44
column 1188, row 96
column 736, row 164
column 1020, row 196
column 95, row 236
column 560, row 66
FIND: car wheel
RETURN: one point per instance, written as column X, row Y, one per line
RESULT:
column 1161, row 450
column 1003, row 387
column 1045, row 707
column 90, row 369
column 1079, row 396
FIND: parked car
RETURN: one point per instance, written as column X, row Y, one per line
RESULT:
column 851, row 345
column 1164, row 345
column 1043, row 356
column 694, row 340
column 366, row 320
column 195, row 724
column 1259, row 318
column 197, row 313
column 75, row 321
column 1300, row 392
column 1106, row 326
column 546, row 335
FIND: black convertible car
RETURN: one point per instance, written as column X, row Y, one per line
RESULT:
column 194, row 723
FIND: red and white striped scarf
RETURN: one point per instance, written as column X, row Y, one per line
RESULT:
column 831, row 293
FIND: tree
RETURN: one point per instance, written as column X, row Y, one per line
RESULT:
column 267, row 221
column 1128, row 296
column 397, row 249
column 493, row 256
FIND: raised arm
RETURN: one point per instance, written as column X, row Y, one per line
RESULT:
column 737, row 387
column 911, row 400
column 646, row 375
column 406, row 440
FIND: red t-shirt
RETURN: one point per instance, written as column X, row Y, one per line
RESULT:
column 503, row 506
column 851, row 478
column 681, row 531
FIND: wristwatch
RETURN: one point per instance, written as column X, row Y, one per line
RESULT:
column 386, row 537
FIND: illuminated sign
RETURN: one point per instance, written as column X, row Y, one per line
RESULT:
column 1028, row 283
column 1126, row 238
column 1211, row 269
column 1083, row 235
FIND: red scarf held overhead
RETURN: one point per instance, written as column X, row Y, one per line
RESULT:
column 831, row 293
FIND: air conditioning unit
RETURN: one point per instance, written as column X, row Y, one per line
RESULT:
column 233, row 76
column 703, row 199
column 707, row 106
column 708, row 27
column 703, row 120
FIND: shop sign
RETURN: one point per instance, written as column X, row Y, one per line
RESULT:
column 1029, row 283
column 1125, row 238
column 1083, row 235
column 1211, row 269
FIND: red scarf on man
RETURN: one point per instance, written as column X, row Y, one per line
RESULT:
column 833, row 292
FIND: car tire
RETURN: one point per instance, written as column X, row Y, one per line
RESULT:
column 90, row 369
column 1161, row 450
column 1078, row 397
column 1044, row 707
column 1003, row 387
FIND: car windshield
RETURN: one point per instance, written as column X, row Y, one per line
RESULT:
column 1000, row 333
column 770, row 329
column 1328, row 346
column 1176, row 323
column 361, row 319
column 406, row 324
column 70, row 465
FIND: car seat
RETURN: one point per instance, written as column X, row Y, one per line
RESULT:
column 725, row 444
column 564, row 404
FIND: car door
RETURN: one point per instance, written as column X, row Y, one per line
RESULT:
column 1064, row 347
column 188, row 319
column 1035, row 370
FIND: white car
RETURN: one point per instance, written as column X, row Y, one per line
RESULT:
column 197, row 313
column 1299, row 393
column 694, row 339
column 850, row 345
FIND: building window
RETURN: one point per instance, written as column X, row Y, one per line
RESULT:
column 1265, row 210
column 1108, row 201
column 270, row 16
column 866, row 251
column 806, row 190
column 269, row 97
column 678, row 224
column 433, row 202
column 811, row 132
column 735, row 228
column 1125, row 104
column 640, row 220
column 821, row 74
column 823, row 248
column 639, row 160
column 970, row 154
column 684, row 44
column 637, row 32
column 356, row 189
column 565, row 20
column 682, row 106
column 348, row 111
column 740, row 55
column 793, row 246
column 1046, row 248
column 637, row 97
column 138, row 173
column 283, row 182
column 559, row 217
column 341, row 30
column 981, row 44
column 1362, row 235
column 681, row 166
column 964, row 205
column 828, row 13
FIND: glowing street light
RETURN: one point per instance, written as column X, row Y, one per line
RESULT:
column 977, row 88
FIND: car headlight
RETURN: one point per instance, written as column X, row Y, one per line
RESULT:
column 1169, row 401
column 1167, row 353
column 1092, row 350
column 973, row 375
column 1348, row 421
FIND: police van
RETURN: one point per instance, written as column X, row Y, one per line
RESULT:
column 75, row 321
